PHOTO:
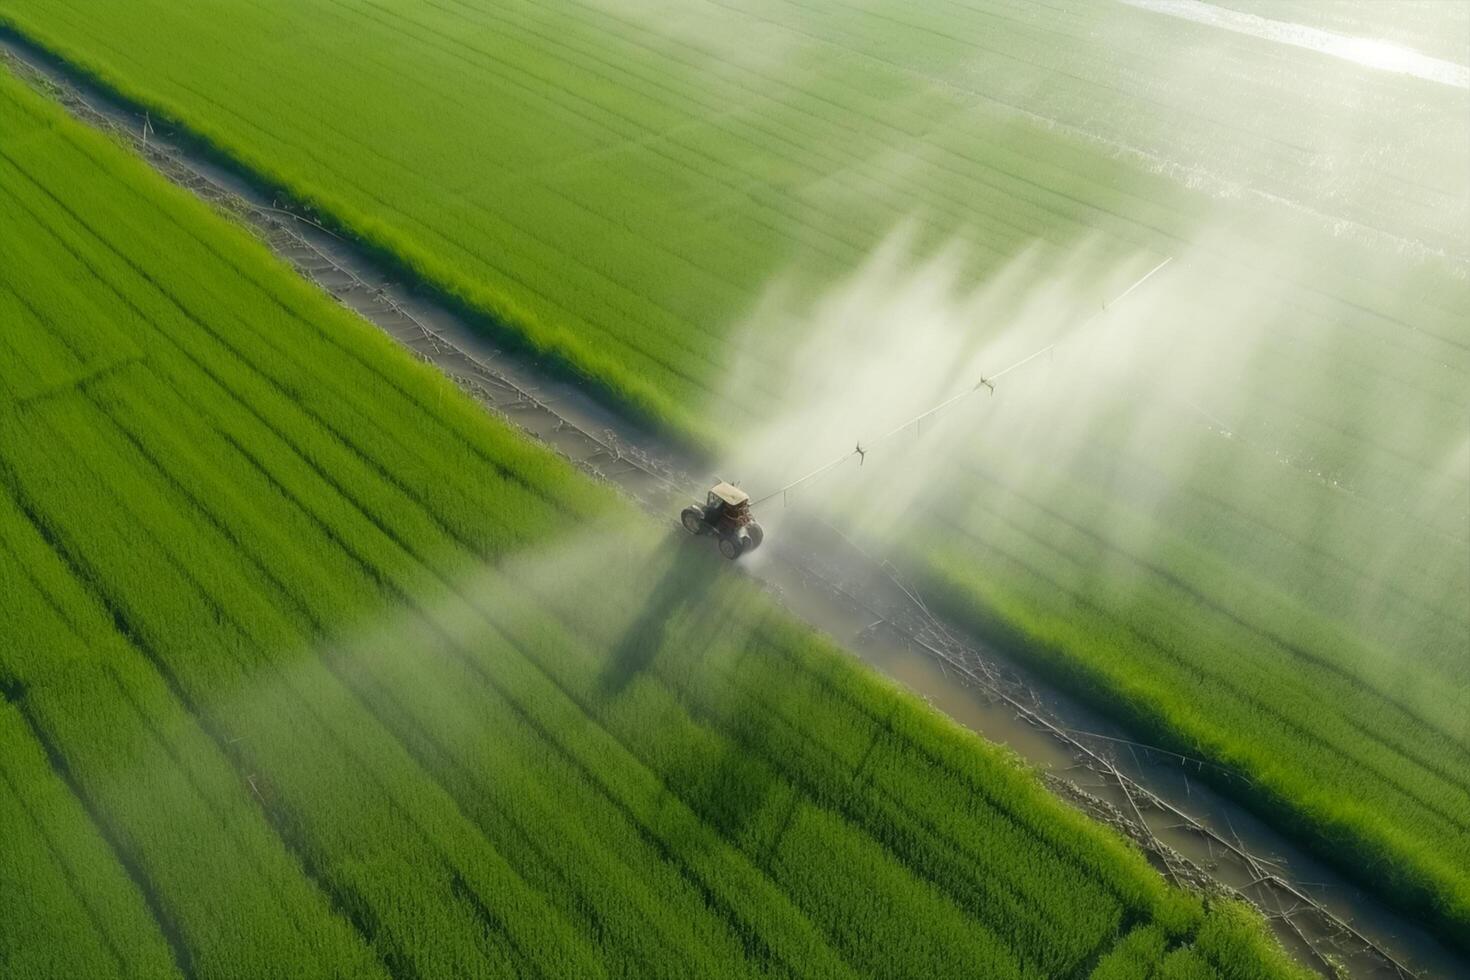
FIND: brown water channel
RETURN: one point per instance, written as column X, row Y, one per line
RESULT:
column 1192, row 831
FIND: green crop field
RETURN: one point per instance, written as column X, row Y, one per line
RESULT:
column 1281, row 587
column 1282, row 590
column 309, row 668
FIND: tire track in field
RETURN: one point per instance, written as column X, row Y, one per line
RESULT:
column 12, row 696
column 166, row 923
column 85, row 576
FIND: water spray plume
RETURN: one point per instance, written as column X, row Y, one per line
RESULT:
column 988, row 382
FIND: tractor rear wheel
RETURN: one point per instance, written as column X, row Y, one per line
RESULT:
column 756, row 535
column 730, row 548
column 693, row 520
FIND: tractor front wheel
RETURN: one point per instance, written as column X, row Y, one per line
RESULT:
column 730, row 548
column 756, row 535
column 693, row 520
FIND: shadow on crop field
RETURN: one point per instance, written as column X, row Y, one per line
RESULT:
column 735, row 792
column 684, row 584
column 697, row 621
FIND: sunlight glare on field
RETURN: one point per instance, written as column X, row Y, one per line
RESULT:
column 1369, row 52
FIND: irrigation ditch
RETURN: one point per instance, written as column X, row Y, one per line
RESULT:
column 1192, row 832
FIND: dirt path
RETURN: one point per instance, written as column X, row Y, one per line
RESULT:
column 1192, row 833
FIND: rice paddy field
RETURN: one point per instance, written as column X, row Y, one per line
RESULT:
column 1242, row 527
column 309, row 668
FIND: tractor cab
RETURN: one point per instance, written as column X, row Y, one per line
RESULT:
column 728, row 505
column 725, row 514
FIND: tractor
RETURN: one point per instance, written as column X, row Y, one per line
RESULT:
column 725, row 514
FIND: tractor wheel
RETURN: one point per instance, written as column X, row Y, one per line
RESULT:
column 730, row 548
column 756, row 535
column 693, row 520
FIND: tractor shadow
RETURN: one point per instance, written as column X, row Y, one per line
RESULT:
column 719, row 773
column 686, row 582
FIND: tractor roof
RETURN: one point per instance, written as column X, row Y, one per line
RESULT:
column 731, row 495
